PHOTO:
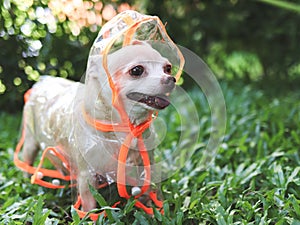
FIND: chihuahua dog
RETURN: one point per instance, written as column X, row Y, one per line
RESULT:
column 55, row 111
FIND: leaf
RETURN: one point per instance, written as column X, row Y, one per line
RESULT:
column 166, row 209
column 39, row 215
column 157, row 214
column 101, row 201
column 220, row 219
column 295, row 222
column 129, row 205
column 140, row 218
column 75, row 216
column 279, row 178
column 283, row 4
column 292, row 177
column 296, row 205
column 179, row 217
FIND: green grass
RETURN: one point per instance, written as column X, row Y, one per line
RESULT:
column 255, row 178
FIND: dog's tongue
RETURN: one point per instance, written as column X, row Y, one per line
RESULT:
column 152, row 101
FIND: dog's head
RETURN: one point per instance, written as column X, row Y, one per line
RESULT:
column 142, row 77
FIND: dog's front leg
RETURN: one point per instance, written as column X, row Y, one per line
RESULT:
column 87, row 199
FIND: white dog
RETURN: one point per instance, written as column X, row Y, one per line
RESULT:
column 54, row 114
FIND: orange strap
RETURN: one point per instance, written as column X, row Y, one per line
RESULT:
column 50, row 173
column 93, row 216
column 34, row 170
column 104, row 127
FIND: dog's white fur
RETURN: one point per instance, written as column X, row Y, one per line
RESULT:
column 53, row 114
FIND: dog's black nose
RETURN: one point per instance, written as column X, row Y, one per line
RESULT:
column 172, row 78
column 168, row 80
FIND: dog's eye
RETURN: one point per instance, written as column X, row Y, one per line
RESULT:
column 168, row 69
column 136, row 71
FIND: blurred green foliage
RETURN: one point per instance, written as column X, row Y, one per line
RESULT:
column 239, row 39
column 32, row 46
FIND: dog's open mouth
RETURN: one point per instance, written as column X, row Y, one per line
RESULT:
column 157, row 102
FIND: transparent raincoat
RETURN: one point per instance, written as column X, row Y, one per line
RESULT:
column 85, row 127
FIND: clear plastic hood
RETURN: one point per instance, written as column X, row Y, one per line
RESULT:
column 129, row 27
